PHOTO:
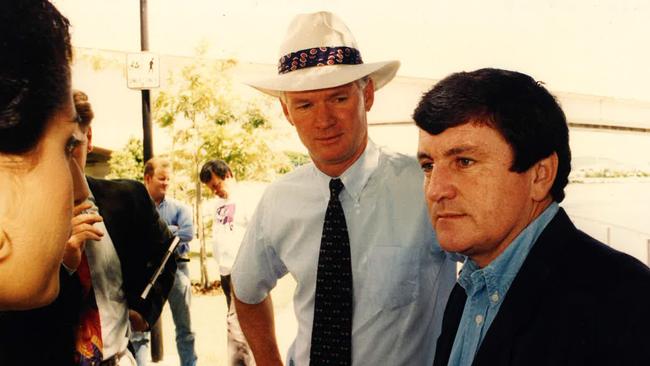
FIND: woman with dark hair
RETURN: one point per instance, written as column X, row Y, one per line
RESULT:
column 39, row 182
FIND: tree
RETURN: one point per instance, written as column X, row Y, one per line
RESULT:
column 127, row 163
column 207, row 120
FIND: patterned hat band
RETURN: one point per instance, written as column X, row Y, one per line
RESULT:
column 319, row 56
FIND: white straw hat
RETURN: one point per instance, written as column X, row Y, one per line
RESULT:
column 320, row 52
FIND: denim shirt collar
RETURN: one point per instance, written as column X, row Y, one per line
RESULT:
column 499, row 274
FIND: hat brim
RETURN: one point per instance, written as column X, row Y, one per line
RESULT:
column 322, row 77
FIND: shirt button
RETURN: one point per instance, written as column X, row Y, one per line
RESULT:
column 479, row 319
column 495, row 297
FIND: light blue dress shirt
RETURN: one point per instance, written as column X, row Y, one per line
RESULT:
column 486, row 288
column 179, row 220
column 401, row 277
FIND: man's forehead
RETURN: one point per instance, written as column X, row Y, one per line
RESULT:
column 319, row 92
column 162, row 171
column 463, row 138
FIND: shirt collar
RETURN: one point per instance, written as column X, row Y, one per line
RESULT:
column 356, row 176
column 162, row 203
column 499, row 274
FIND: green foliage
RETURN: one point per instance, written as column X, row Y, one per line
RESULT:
column 207, row 120
column 129, row 162
column 297, row 159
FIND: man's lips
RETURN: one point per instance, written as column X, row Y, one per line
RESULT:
column 449, row 215
column 327, row 139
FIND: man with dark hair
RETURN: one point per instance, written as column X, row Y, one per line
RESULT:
column 116, row 244
column 230, row 221
column 534, row 290
column 213, row 168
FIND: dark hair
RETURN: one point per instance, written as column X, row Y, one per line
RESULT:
column 83, row 107
column 218, row 167
column 34, row 71
column 521, row 109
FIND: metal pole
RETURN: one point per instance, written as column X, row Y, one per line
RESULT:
column 157, row 351
column 648, row 253
column 146, row 103
column 609, row 235
column 147, row 144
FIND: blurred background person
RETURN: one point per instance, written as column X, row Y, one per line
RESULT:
column 228, row 230
column 157, row 174
column 38, row 132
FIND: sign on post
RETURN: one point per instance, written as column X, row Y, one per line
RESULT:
column 142, row 70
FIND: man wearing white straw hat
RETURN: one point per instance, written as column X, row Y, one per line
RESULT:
column 351, row 228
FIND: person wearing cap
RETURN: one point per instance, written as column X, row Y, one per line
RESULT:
column 351, row 227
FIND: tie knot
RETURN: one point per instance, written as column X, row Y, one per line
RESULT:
column 336, row 186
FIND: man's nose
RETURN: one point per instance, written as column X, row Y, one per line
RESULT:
column 79, row 183
column 439, row 185
column 324, row 117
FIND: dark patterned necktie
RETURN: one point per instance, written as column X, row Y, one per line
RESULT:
column 331, row 338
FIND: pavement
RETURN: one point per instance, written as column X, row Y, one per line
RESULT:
column 209, row 321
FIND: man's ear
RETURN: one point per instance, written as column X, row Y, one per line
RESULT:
column 543, row 177
column 369, row 94
column 89, row 136
column 285, row 110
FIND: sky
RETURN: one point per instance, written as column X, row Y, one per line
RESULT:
column 597, row 47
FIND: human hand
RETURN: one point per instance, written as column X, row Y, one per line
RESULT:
column 82, row 230
column 138, row 324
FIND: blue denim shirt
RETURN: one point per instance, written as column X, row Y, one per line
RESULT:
column 487, row 287
column 179, row 220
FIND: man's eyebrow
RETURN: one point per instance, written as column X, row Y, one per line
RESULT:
column 457, row 150
column 462, row 149
column 298, row 100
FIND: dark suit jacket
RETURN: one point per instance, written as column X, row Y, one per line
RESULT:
column 575, row 301
column 45, row 336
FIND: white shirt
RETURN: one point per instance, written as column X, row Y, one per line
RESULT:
column 106, row 276
column 228, row 228
column 401, row 277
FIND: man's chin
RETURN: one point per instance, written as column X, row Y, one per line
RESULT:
column 450, row 243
